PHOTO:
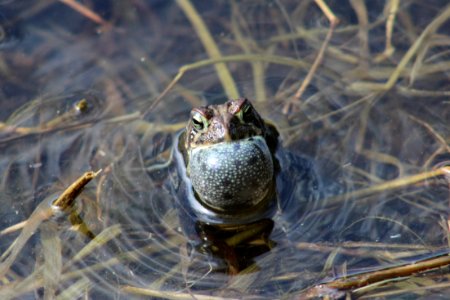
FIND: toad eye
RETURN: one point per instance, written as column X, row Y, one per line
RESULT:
column 199, row 121
column 245, row 113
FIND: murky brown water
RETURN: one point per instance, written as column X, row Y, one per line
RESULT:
column 78, row 96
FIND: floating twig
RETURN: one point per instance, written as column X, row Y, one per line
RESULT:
column 85, row 11
column 338, row 286
column 66, row 200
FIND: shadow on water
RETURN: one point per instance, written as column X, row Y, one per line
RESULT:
column 370, row 133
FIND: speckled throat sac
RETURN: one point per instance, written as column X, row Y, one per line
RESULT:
column 234, row 176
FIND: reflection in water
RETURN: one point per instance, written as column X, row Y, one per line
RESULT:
column 236, row 246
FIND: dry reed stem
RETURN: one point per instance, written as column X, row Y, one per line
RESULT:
column 418, row 289
column 35, row 281
column 13, row 228
column 296, row 130
column 281, row 60
column 258, row 68
column 43, row 129
column 85, row 11
column 52, row 253
column 418, row 44
column 67, row 199
column 169, row 294
column 390, row 273
column 391, row 10
column 389, row 185
column 333, row 23
column 43, row 212
column 359, row 6
column 211, row 47
column 78, row 290
column 341, row 285
column 410, row 92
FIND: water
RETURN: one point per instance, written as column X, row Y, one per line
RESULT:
column 54, row 61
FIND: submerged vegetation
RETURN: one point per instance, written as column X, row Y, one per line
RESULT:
column 101, row 88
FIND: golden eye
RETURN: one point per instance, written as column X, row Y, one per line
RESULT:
column 244, row 113
column 199, row 121
column 246, row 108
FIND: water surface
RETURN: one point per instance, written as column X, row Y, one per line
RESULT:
column 78, row 94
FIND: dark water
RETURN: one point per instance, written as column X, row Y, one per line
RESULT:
column 53, row 59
